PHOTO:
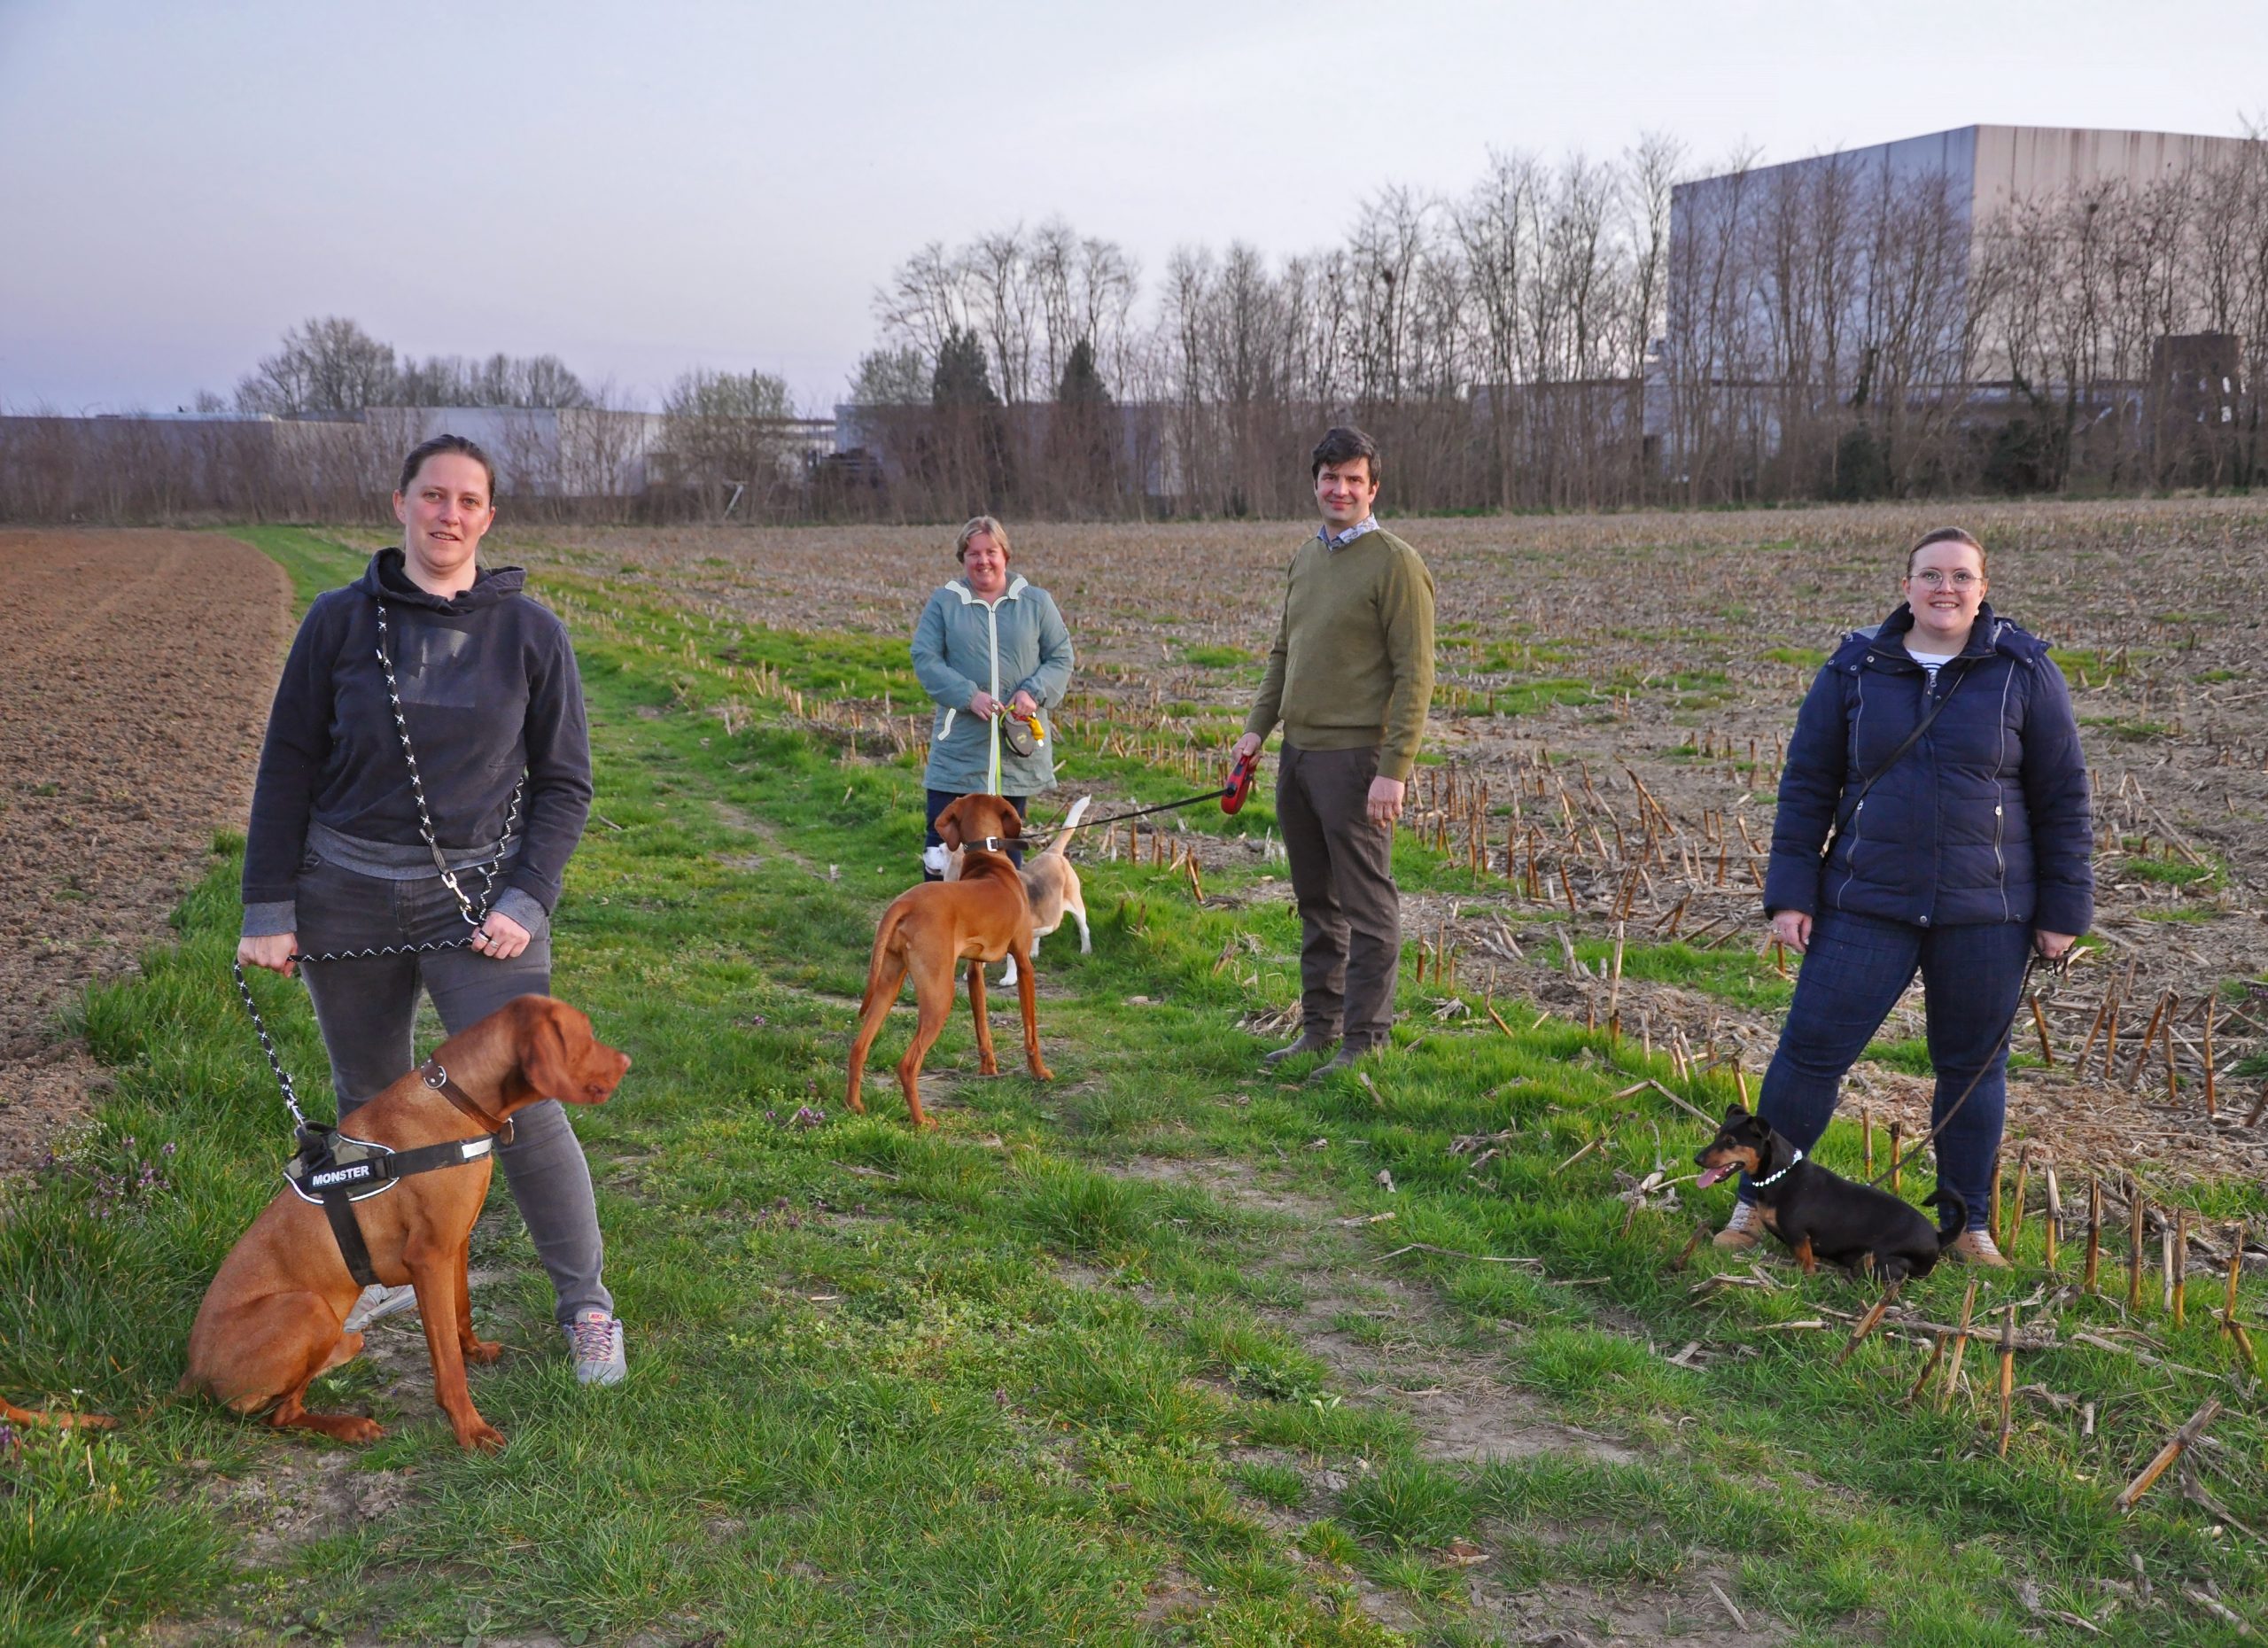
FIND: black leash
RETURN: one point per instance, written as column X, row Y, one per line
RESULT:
column 1138, row 812
column 2031, row 963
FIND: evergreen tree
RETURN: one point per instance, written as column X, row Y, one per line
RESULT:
column 1081, row 384
column 962, row 378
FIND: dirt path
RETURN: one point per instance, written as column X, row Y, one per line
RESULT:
column 135, row 670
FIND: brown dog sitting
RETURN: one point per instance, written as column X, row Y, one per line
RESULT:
column 271, row 1321
column 978, row 917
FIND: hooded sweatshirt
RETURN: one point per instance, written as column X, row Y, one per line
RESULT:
column 489, row 690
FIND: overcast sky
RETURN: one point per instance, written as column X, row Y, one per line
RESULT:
column 643, row 189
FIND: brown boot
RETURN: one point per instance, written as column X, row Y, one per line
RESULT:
column 1743, row 1230
column 1977, row 1247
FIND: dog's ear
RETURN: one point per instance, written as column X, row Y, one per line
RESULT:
column 1735, row 1115
column 949, row 827
column 562, row 1059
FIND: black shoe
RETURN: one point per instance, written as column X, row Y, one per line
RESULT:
column 1306, row 1043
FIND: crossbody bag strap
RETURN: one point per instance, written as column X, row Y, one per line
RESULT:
column 1937, row 708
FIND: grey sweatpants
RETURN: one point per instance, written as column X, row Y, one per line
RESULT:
column 1342, row 875
column 366, row 1009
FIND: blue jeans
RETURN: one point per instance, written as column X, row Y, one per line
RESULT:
column 1854, row 972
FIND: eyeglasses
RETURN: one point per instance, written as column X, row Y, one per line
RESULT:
column 1930, row 577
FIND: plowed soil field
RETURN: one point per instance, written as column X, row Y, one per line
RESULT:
column 135, row 669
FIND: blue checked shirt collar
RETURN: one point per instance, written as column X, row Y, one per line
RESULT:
column 1368, row 523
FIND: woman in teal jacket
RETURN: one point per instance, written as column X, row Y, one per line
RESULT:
column 987, row 645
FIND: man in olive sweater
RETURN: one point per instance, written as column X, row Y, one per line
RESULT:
column 1350, row 677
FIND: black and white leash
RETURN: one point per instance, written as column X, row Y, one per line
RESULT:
column 474, row 916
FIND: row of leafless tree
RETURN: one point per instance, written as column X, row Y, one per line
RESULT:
column 1546, row 341
column 1569, row 335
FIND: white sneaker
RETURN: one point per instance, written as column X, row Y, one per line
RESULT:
column 1743, row 1230
column 594, row 1338
column 378, row 1302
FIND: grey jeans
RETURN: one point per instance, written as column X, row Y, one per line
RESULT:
column 366, row 1009
column 1342, row 875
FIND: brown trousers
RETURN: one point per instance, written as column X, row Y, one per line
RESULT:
column 1342, row 873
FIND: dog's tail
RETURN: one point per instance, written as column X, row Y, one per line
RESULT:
column 1063, row 830
column 1953, row 1214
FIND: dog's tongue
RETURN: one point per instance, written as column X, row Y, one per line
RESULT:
column 1710, row 1176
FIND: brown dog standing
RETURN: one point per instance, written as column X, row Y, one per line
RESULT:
column 978, row 918
column 271, row 1321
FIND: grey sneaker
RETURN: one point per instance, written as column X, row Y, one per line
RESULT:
column 378, row 1302
column 594, row 1338
column 1743, row 1230
column 1305, row 1045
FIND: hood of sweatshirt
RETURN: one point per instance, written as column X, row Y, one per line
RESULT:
column 387, row 578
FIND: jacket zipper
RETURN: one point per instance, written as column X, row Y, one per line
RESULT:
column 1851, row 859
column 1999, row 803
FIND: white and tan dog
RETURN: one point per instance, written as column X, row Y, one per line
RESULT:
column 1051, row 884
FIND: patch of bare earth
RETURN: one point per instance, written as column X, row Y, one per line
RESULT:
column 135, row 670
column 1391, row 1343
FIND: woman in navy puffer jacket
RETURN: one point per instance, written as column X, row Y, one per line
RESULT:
column 1953, row 859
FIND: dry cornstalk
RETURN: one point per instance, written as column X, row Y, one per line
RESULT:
column 1867, row 1137
column 1685, row 1254
column 2040, row 1023
column 2236, row 1263
column 2136, row 1207
column 1867, row 1323
column 2055, row 1218
column 2170, row 1267
column 1897, row 1154
column 2094, row 1231
column 1960, row 1349
column 2008, row 1378
column 1936, row 1355
column 2191, row 1430
column 2179, row 1270
column 2015, row 1212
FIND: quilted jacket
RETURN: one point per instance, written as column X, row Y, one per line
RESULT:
column 1986, row 819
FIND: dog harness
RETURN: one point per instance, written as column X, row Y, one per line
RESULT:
column 335, row 1170
column 1761, row 1183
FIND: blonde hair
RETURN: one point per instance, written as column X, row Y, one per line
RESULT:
column 983, row 526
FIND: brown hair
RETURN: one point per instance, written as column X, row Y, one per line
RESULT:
column 1945, row 535
column 434, row 448
column 1344, row 445
column 983, row 526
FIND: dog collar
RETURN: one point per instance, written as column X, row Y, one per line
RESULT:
column 1782, row 1173
column 992, row 844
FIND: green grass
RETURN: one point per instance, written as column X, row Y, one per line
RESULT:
column 988, row 1384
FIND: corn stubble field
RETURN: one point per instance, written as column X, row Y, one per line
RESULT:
column 1169, row 1351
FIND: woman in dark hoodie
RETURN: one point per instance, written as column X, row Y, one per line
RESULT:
column 342, row 858
column 1954, row 854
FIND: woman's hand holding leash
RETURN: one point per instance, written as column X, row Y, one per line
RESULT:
column 1792, row 928
column 500, row 937
column 2052, row 945
column 276, row 952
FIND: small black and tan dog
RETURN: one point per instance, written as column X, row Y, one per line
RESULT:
column 1822, row 1216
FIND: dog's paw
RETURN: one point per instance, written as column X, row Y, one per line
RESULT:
column 1041, row 1072
column 360, row 1431
column 988, row 1067
column 480, row 1437
column 482, row 1350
